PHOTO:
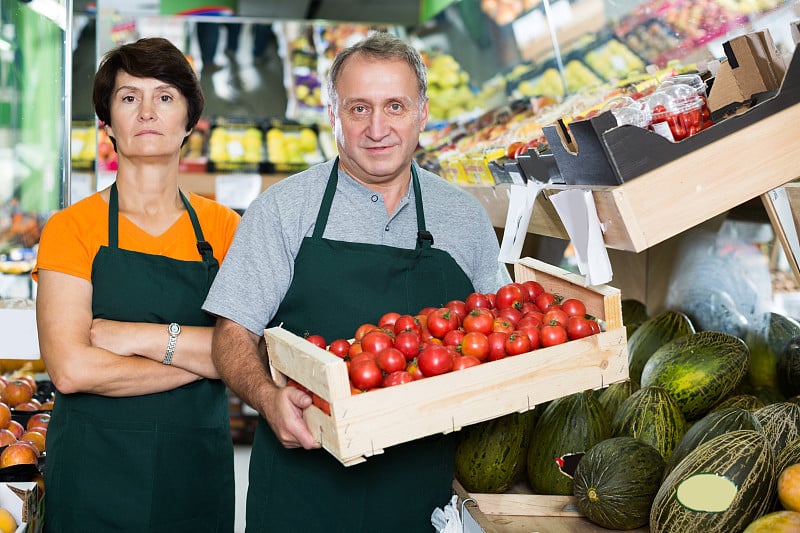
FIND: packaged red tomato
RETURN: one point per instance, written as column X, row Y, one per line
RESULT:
column 676, row 112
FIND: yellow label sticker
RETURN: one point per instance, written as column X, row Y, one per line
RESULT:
column 706, row 492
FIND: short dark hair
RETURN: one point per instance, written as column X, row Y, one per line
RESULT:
column 380, row 45
column 152, row 57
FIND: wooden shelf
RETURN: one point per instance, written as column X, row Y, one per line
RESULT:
column 680, row 194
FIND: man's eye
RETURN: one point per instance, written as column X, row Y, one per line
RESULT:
column 359, row 109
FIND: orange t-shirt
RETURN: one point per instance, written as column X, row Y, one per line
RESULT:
column 71, row 237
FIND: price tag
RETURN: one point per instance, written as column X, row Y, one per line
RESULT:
column 520, row 207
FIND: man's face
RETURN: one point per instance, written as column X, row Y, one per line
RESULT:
column 377, row 119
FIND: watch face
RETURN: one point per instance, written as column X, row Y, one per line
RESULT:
column 174, row 329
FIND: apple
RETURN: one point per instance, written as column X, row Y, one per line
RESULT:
column 36, row 438
column 47, row 406
column 27, row 406
column 16, row 392
column 39, row 420
column 27, row 378
column 5, row 415
column 19, row 453
column 16, row 428
column 7, row 437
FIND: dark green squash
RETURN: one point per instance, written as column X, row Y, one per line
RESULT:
column 616, row 482
column 567, row 428
column 491, row 455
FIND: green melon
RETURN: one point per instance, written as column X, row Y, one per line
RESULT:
column 788, row 368
column 634, row 313
column 651, row 335
column 612, row 396
column 741, row 401
column 720, row 487
column 766, row 348
column 651, row 416
column 616, row 481
column 713, row 424
column 781, row 423
column 567, row 428
column 491, row 455
column 789, row 455
column 698, row 369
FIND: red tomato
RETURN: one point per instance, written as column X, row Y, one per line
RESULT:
column 365, row 375
column 413, row 368
column 510, row 295
column 362, row 330
column 339, row 347
column 517, row 343
column 362, row 356
column 465, row 361
column 441, row 321
column 534, row 335
column 317, row 340
column 555, row 315
column 531, row 320
column 407, row 323
column 552, row 335
column 492, row 299
column 476, row 300
column 512, row 314
column 497, row 345
column 397, row 378
column 533, row 288
column 475, row 344
column 453, row 337
column 388, row 320
column 478, row 320
column 578, row 327
column 323, row 405
column 427, row 311
column 409, row 343
column 434, row 360
column 573, row 307
column 595, row 326
column 502, row 325
column 391, row 360
column 376, row 341
column 545, row 300
column 527, row 307
column 292, row 383
column 459, row 308
column 355, row 349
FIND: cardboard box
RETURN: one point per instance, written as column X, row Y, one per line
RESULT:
column 365, row 424
column 22, row 500
column 20, row 337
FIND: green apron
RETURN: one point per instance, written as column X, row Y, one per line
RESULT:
column 156, row 462
column 336, row 287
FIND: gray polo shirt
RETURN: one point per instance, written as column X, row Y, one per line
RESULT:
column 257, row 271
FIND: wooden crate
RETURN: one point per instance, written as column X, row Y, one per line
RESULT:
column 519, row 511
column 363, row 425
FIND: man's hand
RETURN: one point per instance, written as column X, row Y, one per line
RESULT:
column 284, row 412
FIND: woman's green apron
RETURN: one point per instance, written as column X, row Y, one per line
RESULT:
column 156, row 462
column 336, row 287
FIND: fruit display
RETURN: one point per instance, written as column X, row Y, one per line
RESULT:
column 292, row 147
column 613, row 60
column 236, row 146
column 83, row 145
column 506, row 11
column 654, row 40
column 449, row 92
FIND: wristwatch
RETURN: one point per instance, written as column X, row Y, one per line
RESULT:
column 174, row 330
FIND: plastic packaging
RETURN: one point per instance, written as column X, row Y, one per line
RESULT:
column 676, row 111
column 626, row 110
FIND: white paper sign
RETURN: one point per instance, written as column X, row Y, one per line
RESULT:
column 578, row 213
column 237, row 190
column 520, row 207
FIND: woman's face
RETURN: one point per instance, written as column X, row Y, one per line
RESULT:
column 378, row 119
column 148, row 117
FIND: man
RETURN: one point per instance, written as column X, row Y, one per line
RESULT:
column 326, row 250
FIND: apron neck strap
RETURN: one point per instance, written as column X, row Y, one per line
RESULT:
column 424, row 237
column 203, row 247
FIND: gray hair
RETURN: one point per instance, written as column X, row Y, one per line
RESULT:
column 379, row 45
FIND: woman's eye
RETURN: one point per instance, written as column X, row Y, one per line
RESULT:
column 166, row 98
column 128, row 98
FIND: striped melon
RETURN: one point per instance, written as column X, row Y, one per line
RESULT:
column 698, row 370
column 634, row 313
column 713, row 424
column 781, row 423
column 741, row 401
column 766, row 347
column 651, row 335
column 567, row 428
column 651, row 416
column 616, row 481
column 491, row 455
column 789, row 455
column 720, row 487
column 612, row 396
column 788, row 367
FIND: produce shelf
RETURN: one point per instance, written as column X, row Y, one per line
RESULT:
column 683, row 184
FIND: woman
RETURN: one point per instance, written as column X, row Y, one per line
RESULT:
column 139, row 438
